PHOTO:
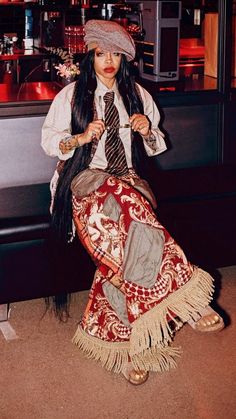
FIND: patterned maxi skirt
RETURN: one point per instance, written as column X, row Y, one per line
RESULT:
column 144, row 289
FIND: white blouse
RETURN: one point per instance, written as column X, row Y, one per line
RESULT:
column 57, row 125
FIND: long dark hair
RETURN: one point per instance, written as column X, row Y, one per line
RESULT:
column 82, row 114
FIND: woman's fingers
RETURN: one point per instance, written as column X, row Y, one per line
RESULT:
column 140, row 123
column 95, row 129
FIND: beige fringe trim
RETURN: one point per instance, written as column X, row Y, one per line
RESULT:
column 152, row 328
column 113, row 355
column 148, row 348
column 157, row 359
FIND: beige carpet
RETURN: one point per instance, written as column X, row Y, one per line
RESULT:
column 44, row 376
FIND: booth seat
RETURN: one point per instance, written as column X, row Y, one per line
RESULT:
column 31, row 265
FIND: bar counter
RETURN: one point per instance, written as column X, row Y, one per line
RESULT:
column 30, row 91
column 31, row 98
column 26, row 98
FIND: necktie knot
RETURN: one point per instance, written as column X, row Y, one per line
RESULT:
column 109, row 97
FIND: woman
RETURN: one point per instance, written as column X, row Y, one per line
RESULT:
column 144, row 288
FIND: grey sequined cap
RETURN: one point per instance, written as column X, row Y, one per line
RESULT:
column 109, row 36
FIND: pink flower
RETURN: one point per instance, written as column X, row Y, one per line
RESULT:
column 68, row 70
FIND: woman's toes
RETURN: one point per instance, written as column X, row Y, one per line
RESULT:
column 209, row 322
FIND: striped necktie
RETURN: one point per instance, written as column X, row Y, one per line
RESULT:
column 114, row 148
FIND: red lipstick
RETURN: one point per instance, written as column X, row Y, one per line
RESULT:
column 109, row 69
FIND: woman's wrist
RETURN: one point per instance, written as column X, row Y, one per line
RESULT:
column 70, row 143
column 147, row 136
column 77, row 138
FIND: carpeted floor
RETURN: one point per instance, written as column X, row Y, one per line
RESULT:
column 44, row 376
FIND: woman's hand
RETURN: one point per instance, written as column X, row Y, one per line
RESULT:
column 140, row 123
column 94, row 129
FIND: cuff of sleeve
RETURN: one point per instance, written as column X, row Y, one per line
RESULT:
column 151, row 141
column 65, row 156
column 154, row 144
column 68, row 155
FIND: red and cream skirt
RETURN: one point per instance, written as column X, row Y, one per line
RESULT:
column 144, row 288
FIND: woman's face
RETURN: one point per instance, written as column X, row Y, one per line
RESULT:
column 106, row 66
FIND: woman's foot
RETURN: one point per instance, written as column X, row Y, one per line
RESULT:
column 209, row 321
column 135, row 377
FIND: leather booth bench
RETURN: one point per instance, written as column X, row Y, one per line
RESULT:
column 30, row 265
column 197, row 206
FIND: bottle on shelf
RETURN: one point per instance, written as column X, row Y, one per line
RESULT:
column 28, row 40
column 85, row 4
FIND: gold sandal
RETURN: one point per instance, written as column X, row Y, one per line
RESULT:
column 208, row 321
column 135, row 377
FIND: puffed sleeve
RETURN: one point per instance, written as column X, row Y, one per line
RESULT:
column 57, row 124
column 154, row 144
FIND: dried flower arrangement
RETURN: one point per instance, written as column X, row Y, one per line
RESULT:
column 67, row 69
